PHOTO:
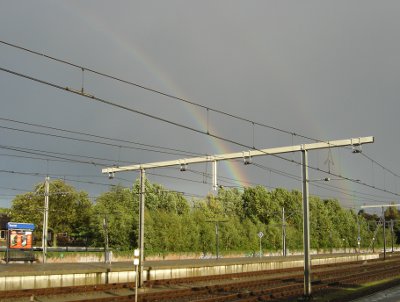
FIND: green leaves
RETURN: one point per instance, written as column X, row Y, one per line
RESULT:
column 175, row 225
column 69, row 210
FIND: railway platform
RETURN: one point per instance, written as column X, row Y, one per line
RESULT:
column 19, row 276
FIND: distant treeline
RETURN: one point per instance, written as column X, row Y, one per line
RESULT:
column 175, row 224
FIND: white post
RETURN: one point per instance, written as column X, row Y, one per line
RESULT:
column 283, row 232
column 384, row 234
column 45, row 218
column 214, row 176
column 136, row 255
column 141, row 224
column 306, row 227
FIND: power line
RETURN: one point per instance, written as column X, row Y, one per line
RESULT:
column 83, row 68
column 86, row 140
column 322, row 185
column 150, row 115
column 32, row 151
column 67, row 178
column 92, row 97
column 156, row 91
column 102, row 137
column 113, row 104
column 380, row 165
column 285, row 174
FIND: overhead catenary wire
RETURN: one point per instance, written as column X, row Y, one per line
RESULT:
column 221, row 112
column 111, row 185
column 178, row 152
column 89, row 141
column 152, row 116
column 153, row 90
column 170, row 96
column 68, row 178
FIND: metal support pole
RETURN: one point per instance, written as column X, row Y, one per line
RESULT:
column 45, row 218
column 392, row 233
column 136, row 255
column 306, row 228
column 284, row 252
column 359, row 235
column 141, row 224
column 136, row 283
column 106, row 253
column 252, row 153
column 217, row 238
column 384, row 234
column 214, row 176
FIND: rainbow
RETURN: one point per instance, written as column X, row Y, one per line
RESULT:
column 233, row 170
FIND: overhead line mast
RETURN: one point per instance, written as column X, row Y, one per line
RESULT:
column 246, row 155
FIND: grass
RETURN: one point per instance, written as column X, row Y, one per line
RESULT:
column 343, row 294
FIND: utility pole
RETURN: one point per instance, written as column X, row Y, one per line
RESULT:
column 217, row 238
column 217, row 221
column 141, row 224
column 306, row 227
column 304, row 148
column 384, row 234
column 106, row 253
column 45, row 218
column 283, row 233
column 359, row 235
column 392, row 233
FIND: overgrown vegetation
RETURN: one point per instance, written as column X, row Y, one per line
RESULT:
column 174, row 224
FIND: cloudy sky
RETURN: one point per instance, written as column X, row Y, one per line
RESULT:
column 257, row 74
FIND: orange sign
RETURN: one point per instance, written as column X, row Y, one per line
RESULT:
column 20, row 239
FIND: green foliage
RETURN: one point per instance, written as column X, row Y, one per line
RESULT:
column 69, row 210
column 115, row 214
column 174, row 225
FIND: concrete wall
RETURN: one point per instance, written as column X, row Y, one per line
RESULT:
column 50, row 279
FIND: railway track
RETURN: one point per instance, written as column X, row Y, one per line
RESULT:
column 276, row 285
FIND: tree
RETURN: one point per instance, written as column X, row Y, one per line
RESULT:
column 257, row 204
column 204, row 230
column 159, row 198
column 320, row 223
column 119, row 208
column 231, row 201
column 69, row 210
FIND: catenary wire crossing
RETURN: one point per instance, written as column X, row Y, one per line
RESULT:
column 111, row 103
column 295, row 177
column 170, row 96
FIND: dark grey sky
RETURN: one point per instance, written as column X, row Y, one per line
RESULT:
column 323, row 69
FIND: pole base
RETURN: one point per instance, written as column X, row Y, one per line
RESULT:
column 305, row 298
